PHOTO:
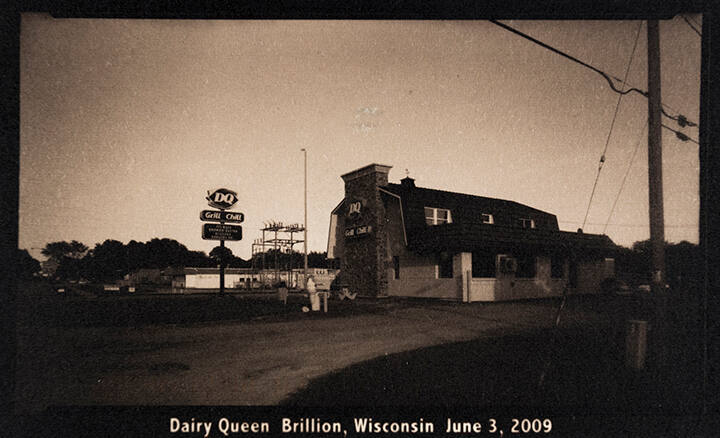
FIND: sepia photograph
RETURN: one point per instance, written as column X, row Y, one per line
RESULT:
column 498, row 215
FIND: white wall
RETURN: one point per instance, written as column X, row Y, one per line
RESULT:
column 482, row 289
column 212, row 281
column 506, row 287
column 322, row 277
column 418, row 278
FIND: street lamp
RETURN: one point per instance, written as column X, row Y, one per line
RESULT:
column 306, row 223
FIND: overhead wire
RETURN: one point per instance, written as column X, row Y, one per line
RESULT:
column 691, row 26
column 627, row 172
column 608, row 77
column 612, row 125
column 689, row 17
column 697, row 23
column 680, row 135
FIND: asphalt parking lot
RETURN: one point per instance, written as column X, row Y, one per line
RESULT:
column 363, row 352
column 260, row 361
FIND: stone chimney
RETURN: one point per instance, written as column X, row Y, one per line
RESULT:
column 363, row 261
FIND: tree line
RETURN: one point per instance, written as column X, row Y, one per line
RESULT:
column 683, row 263
column 112, row 259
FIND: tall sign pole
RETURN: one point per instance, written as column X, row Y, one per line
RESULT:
column 305, row 271
column 222, row 199
column 222, row 264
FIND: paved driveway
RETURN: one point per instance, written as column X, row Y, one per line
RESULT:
column 245, row 363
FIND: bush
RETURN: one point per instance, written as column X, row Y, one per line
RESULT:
column 338, row 283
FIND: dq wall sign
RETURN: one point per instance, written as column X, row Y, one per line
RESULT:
column 354, row 209
column 221, row 198
column 363, row 230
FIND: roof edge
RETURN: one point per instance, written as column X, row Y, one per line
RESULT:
column 366, row 170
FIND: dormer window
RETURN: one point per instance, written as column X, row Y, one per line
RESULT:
column 527, row 223
column 437, row 216
column 487, row 218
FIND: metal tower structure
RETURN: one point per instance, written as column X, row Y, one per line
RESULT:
column 280, row 238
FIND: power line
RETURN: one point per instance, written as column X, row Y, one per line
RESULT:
column 691, row 26
column 693, row 20
column 627, row 172
column 612, row 125
column 680, row 135
column 607, row 76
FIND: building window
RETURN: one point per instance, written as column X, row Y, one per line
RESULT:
column 445, row 265
column 525, row 267
column 487, row 218
column 483, row 265
column 557, row 267
column 437, row 216
column 396, row 266
column 527, row 223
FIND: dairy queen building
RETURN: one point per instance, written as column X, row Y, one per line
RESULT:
column 408, row 241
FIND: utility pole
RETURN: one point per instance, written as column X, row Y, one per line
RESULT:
column 657, row 222
column 658, row 348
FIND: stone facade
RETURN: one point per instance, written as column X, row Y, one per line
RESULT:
column 364, row 262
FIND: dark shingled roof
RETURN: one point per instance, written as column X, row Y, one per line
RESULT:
column 470, row 237
column 467, row 232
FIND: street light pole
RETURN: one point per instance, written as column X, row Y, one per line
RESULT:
column 305, row 271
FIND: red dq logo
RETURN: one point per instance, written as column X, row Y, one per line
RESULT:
column 222, row 198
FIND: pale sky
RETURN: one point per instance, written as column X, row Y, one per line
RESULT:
column 126, row 124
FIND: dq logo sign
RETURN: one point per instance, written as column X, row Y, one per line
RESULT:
column 221, row 198
column 354, row 209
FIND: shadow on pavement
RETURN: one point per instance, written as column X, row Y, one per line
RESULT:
column 583, row 366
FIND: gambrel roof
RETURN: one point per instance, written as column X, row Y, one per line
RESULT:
column 467, row 232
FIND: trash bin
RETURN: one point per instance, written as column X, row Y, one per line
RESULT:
column 636, row 344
